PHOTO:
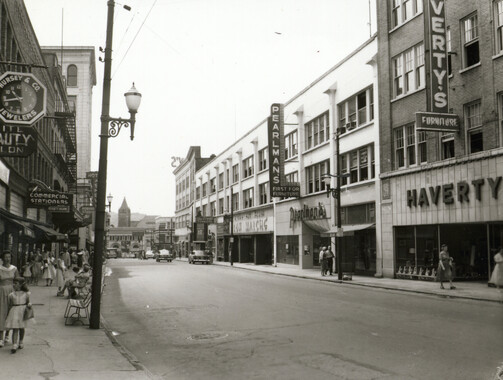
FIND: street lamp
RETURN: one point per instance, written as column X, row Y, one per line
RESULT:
column 110, row 127
column 109, row 199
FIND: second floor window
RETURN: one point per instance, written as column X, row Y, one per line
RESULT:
column 263, row 154
column 213, row 208
column 408, row 71
column 314, row 173
column 293, row 177
column 220, row 181
column 357, row 110
column 235, row 173
column 359, row 164
column 248, row 198
column 235, row 201
column 473, row 125
column 198, row 192
column 498, row 24
column 221, row 205
column 205, row 187
column 291, row 144
column 248, row 167
column 317, row 131
column 410, row 146
column 470, row 39
column 212, row 186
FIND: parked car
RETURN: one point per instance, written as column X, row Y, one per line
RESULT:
column 164, row 254
column 199, row 256
column 149, row 255
column 112, row 254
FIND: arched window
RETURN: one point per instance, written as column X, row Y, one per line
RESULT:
column 71, row 72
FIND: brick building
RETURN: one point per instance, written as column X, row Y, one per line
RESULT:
column 440, row 185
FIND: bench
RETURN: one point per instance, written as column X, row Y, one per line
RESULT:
column 77, row 310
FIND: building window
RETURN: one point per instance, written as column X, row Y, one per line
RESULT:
column 213, row 188
column 447, row 144
column 71, row 73
column 408, row 71
column 235, row 201
column 404, row 10
column 410, row 146
column 357, row 164
column 235, row 173
column 248, row 167
column 399, row 148
column 203, row 210
column 498, row 24
column 198, row 192
column 248, row 197
column 473, row 123
column 421, row 146
column 221, row 205
column 293, row 177
column 291, row 145
column 227, row 177
column 263, row 190
column 314, row 173
column 449, row 49
column 470, row 39
column 317, row 131
column 357, row 110
column 262, row 159
column 220, row 181
column 500, row 116
column 205, row 187
column 213, row 208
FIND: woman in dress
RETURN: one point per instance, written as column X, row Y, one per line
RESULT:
column 60, row 273
column 444, row 267
column 19, row 300
column 497, row 275
column 36, row 268
column 7, row 274
column 46, row 271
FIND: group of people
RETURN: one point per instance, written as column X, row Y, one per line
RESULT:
column 15, row 305
column 70, row 270
column 326, row 261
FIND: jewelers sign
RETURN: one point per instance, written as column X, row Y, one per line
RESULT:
column 52, row 200
column 17, row 141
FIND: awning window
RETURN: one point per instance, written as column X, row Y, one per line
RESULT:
column 348, row 229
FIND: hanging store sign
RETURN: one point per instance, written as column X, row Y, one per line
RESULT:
column 22, row 98
column 205, row 219
column 54, row 201
column 275, row 128
column 439, row 122
column 436, row 35
column 17, row 141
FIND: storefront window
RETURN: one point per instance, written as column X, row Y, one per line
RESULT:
column 288, row 249
column 319, row 242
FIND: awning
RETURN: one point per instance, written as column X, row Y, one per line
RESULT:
column 51, row 234
column 318, row 225
column 347, row 229
column 24, row 226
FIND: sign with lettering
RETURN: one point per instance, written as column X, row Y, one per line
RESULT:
column 308, row 213
column 92, row 175
column 439, row 122
column 17, row 140
column 449, row 193
column 205, row 219
column 438, row 56
column 277, row 182
column 261, row 221
column 87, row 209
column 22, row 98
column 52, row 200
column 175, row 161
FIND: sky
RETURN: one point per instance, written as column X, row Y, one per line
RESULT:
column 208, row 71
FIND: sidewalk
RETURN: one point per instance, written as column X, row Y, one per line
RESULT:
column 52, row 349
column 468, row 289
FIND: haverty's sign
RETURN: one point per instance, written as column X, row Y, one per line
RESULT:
column 17, row 141
column 54, row 201
column 431, row 121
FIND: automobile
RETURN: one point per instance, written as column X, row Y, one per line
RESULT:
column 149, row 255
column 164, row 254
column 200, row 256
column 112, row 254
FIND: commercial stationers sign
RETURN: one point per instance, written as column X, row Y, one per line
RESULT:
column 437, row 119
column 277, row 181
column 52, row 200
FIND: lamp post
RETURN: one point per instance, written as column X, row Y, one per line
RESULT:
column 110, row 127
column 110, row 199
column 336, row 193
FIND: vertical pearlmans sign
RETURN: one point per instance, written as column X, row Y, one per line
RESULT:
column 438, row 56
column 277, row 182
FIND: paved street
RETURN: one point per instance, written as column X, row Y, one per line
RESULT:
column 186, row 321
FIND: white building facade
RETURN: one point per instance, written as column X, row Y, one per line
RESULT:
column 291, row 231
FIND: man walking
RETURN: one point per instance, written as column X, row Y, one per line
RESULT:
column 323, row 261
column 330, row 260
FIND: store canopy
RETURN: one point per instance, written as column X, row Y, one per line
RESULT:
column 51, row 234
column 347, row 229
column 318, row 225
column 25, row 227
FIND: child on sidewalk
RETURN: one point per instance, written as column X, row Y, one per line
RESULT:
column 19, row 300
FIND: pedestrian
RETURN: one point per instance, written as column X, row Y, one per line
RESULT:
column 323, row 261
column 36, row 268
column 27, row 269
column 497, row 275
column 19, row 301
column 67, row 258
column 445, row 267
column 48, row 271
column 60, row 273
column 7, row 274
column 330, row 260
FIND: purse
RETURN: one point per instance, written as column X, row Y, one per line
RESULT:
column 28, row 313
